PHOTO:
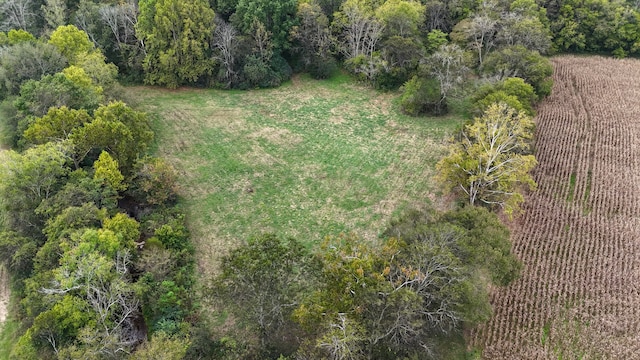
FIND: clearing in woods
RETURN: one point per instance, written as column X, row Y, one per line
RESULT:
column 308, row 159
column 579, row 238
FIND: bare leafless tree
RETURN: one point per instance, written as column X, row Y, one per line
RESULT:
column 16, row 14
column 447, row 65
column 343, row 340
column 121, row 19
column 361, row 30
column 225, row 45
column 482, row 31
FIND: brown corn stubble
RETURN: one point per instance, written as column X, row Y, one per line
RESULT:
column 579, row 236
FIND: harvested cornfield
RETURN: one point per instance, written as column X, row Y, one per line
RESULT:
column 579, row 236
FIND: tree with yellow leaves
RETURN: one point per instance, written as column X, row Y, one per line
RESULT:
column 492, row 161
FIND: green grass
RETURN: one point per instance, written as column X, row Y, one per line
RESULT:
column 8, row 337
column 308, row 159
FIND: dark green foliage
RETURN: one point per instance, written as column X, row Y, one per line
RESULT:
column 177, row 36
column 403, row 55
column 224, row 8
column 37, row 96
column 163, row 310
column 485, row 244
column 17, row 253
column 322, row 68
column 512, row 91
column 473, row 234
column 278, row 17
column 80, row 189
column 27, row 61
column 262, row 282
column 521, row 62
column 595, row 26
column 164, row 287
column 258, row 72
column 422, row 96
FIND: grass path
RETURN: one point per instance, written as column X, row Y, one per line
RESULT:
column 308, row 159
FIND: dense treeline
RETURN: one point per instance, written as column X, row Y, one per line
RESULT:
column 100, row 259
column 406, row 296
column 255, row 43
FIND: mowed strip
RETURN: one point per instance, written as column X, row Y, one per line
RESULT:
column 308, row 160
column 579, row 237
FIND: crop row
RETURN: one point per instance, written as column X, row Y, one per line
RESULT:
column 579, row 236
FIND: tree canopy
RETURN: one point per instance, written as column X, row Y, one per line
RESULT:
column 492, row 160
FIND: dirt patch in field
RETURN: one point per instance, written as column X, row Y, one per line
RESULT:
column 282, row 137
column 4, row 294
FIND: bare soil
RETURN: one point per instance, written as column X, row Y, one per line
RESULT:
column 4, row 294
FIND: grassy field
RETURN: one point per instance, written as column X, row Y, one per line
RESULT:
column 308, row 159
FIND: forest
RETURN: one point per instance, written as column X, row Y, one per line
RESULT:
column 95, row 227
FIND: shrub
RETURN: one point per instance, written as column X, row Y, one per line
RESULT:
column 322, row 67
column 513, row 91
column 422, row 96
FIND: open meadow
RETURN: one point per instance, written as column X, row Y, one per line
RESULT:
column 579, row 237
column 308, row 159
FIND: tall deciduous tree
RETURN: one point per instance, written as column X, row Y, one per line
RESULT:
column 73, row 89
column 518, row 61
column 26, row 180
column 312, row 35
column 55, row 13
column 176, row 36
column 448, row 66
column 401, row 17
column 263, row 282
column 28, row 60
column 488, row 166
column 361, row 31
column 278, row 17
column 71, row 42
column 56, row 125
column 16, row 14
column 117, row 129
column 388, row 301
